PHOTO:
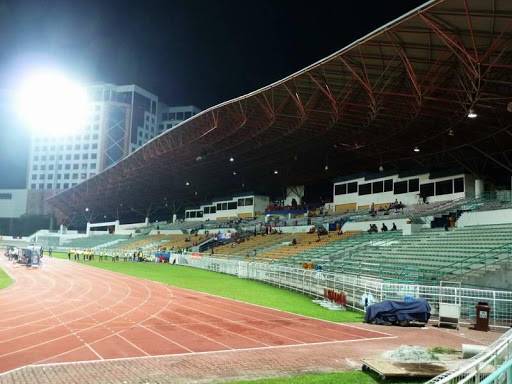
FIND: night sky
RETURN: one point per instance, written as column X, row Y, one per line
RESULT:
column 186, row 52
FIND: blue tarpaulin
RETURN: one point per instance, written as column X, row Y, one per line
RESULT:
column 392, row 312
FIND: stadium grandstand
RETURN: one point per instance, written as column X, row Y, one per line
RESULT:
column 384, row 169
column 405, row 129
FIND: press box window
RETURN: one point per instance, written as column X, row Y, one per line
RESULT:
column 378, row 186
column 340, row 189
column 458, row 185
column 444, row 187
column 400, row 187
column 232, row 205
column 365, row 189
column 414, row 185
column 352, row 187
column 388, row 185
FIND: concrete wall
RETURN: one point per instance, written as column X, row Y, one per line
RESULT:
column 13, row 202
column 498, row 216
column 499, row 279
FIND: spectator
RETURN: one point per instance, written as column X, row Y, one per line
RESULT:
column 393, row 228
column 384, row 228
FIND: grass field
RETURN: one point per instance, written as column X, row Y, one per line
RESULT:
column 5, row 280
column 352, row 377
column 232, row 287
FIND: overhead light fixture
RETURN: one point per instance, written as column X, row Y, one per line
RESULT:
column 472, row 114
column 231, row 159
column 187, row 183
column 52, row 104
column 450, row 132
column 199, row 158
column 416, row 149
column 381, row 168
column 326, row 167
column 234, row 173
column 276, row 171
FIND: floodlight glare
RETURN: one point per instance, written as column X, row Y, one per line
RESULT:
column 52, row 104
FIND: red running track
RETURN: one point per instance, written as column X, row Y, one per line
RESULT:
column 67, row 312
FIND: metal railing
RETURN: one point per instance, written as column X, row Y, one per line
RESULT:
column 492, row 366
column 312, row 283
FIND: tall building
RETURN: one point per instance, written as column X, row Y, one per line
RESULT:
column 121, row 119
column 169, row 117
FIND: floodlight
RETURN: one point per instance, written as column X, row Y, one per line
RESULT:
column 416, row 149
column 472, row 114
column 52, row 104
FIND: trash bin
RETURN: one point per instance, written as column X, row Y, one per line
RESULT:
column 482, row 316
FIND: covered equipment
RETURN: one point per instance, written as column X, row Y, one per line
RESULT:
column 391, row 312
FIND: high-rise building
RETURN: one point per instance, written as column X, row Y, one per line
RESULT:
column 121, row 119
column 169, row 117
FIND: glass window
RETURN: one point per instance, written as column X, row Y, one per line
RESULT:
column 213, row 209
column 172, row 116
column 444, row 187
column 32, row 186
column 187, row 115
column 365, row 189
column 388, row 185
column 427, row 190
column 94, row 146
column 199, row 213
column 93, row 156
column 219, row 207
column 352, row 187
column 93, row 165
column 41, row 177
column 206, row 210
column 378, row 187
column 34, row 177
column 58, row 186
column 414, row 185
column 66, row 185
column 232, row 205
column 41, row 186
column 249, row 201
column 48, row 186
column 224, row 206
column 66, row 176
column 34, row 167
column 43, row 167
column 76, row 156
column 340, row 189
column 67, row 166
column 400, row 187
column 49, row 177
column 179, row 115
column 75, row 166
column 458, row 185
column 187, row 214
column 241, row 202
column 59, row 176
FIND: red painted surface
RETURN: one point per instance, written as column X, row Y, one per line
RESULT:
column 66, row 312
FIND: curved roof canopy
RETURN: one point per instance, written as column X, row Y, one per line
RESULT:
column 411, row 83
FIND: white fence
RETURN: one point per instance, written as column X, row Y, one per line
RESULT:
column 491, row 366
column 313, row 283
